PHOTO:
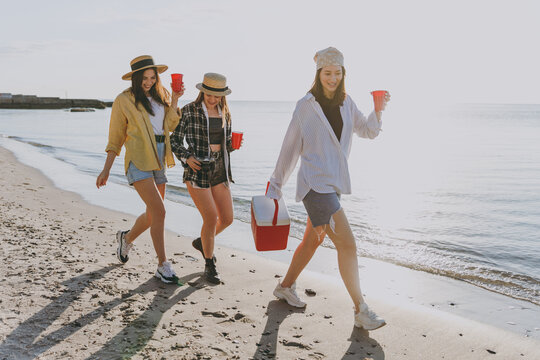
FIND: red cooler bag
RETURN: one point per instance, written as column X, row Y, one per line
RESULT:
column 270, row 223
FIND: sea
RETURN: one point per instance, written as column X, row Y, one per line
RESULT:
column 452, row 191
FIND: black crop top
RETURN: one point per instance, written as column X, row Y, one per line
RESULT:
column 333, row 115
column 216, row 130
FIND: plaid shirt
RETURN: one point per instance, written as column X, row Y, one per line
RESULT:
column 193, row 127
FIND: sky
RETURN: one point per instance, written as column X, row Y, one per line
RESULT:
column 421, row 51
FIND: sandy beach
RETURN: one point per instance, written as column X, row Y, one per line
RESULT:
column 65, row 296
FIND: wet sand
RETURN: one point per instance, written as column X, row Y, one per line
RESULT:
column 65, row 296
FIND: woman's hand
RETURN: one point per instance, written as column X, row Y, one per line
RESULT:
column 386, row 99
column 193, row 163
column 102, row 178
column 175, row 95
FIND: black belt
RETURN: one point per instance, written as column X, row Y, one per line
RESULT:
column 160, row 138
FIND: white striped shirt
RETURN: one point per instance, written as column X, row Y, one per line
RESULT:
column 323, row 165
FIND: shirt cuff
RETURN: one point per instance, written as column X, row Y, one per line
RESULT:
column 273, row 192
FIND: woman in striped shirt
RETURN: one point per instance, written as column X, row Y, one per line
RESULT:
column 320, row 133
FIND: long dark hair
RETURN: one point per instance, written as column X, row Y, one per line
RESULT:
column 318, row 91
column 157, row 91
column 222, row 103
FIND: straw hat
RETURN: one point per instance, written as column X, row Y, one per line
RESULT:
column 214, row 84
column 143, row 62
column 327, row 57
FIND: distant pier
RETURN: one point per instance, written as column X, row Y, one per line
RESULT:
column 9, row 101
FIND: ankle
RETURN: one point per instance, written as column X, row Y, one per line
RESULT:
column 357, row 307
column 160, row 262
column 285, row 285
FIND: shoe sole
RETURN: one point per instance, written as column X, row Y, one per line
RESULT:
column 194, row 244
column 164, row 279
column 119, row 242
column 211, row 281
column 371, row 329
column 281, row 297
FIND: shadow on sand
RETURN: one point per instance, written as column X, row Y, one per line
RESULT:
column 21, row 342
column 361, row 346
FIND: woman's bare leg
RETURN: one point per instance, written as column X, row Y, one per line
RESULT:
column 303, row 253
column 204, row 201
column 155, row 210
column 343, row 239
column 224, row 206
column 143, row 221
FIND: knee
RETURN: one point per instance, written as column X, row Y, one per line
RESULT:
column 157, row 213
column 346, row 244
column 227, row 220
column 210, row 220
column 314, row 241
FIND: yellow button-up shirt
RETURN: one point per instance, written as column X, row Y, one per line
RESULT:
column 130, row 126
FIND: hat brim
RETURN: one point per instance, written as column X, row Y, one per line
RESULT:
column 210, row 92
column 160, row 69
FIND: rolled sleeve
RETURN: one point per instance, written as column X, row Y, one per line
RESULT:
column 177, row 142
column 117, row 128
column 366, row 127
column 172, row 117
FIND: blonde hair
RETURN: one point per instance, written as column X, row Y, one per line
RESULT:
column 222, row 103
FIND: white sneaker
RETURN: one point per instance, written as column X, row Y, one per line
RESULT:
column 289, row 295
column 367, row 319
column 123, row 248
column 166, row 273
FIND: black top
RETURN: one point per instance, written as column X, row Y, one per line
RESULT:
column 215, row 130
column 333, row 115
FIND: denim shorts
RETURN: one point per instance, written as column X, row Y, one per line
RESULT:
column 133, row 174
column 320, row 207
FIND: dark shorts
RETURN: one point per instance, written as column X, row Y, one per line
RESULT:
column 217, row 174
column 320, row 207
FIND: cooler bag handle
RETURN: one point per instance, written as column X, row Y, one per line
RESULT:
column 274, row 220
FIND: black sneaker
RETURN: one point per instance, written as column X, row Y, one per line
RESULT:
column 210, row 273
column 123, row 248
column 197, row 244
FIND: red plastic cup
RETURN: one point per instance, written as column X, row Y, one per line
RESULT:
column 237, row 139
column 378, row 99
column 177, row 82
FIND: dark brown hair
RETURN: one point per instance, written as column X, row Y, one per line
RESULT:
column 318, row 91
column 222, row 102
column 157, row 91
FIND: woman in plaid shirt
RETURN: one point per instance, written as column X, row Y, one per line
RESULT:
column 206, row 128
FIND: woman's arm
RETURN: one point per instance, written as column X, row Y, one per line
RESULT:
column 177, row 139
column 173, row 113
column 117, row 127
column 104, row 175
column 366, row 127
column 117, row 137
column 288, row 157
column 228, row 139
column 370, row 127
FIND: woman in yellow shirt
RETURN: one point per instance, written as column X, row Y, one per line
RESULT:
column 142, row 117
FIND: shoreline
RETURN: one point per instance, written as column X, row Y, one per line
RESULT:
column 238, row 236
column 51, row 228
